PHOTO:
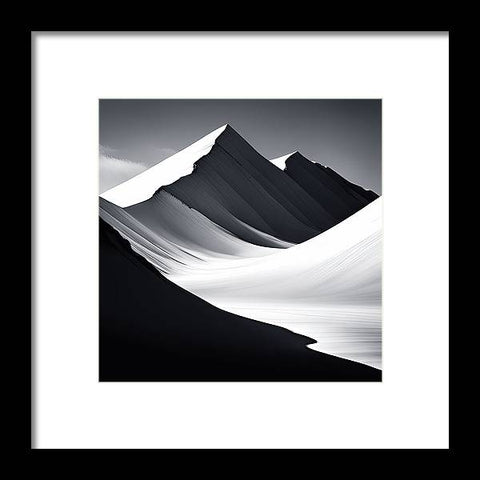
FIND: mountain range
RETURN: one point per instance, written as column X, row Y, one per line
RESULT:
column 285, row 242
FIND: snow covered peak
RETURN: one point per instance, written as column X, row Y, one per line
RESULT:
column 280, row 162
column 144, row 185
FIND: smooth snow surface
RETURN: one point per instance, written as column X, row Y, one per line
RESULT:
column 143, row 186
column 179, row 239
column 327, row 288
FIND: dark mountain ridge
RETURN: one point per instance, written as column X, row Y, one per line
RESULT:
column 241, row 191
column 328, row 187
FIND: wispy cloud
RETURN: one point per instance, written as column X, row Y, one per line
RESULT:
column 113, row 170
column 166, row 152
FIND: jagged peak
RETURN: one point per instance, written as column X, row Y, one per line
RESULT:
column 145, row 184
column 281, row 162
column 228, row 129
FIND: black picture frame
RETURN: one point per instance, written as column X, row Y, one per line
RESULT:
column 28, row 326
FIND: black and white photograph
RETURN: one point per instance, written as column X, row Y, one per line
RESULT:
column 240, row 240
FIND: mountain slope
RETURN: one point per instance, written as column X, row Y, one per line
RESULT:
column 226, row 180
column 152, row 330
column 325, row 186
column 327, row 288
column 177, row 239
column 236, row 177
column 144, row 185
column 299, row 247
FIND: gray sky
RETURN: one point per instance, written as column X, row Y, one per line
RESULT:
column 343, row 134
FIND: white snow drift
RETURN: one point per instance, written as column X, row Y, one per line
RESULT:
column 280, row 162
column 327, row 288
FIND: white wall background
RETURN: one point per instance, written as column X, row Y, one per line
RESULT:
column 409, row 409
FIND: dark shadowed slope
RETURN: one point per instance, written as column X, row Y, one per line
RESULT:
column 152, row 330
column 354, row 189
column 239, row 190
column 327, row 187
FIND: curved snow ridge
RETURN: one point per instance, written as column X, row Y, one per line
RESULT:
column 165, row 211
column 144, row 185
column 280, row 162
column 327, row 288
column 176, row 238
